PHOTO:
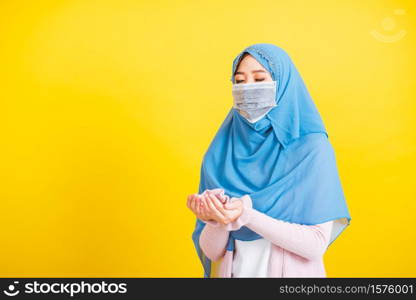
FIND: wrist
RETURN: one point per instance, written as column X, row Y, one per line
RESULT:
column 245, row 215
column 212, row 223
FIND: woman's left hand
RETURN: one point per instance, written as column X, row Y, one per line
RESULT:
column 230, row 210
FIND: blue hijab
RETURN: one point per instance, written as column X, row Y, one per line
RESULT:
column 284, row 161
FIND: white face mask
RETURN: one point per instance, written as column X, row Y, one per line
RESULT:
column 254, row 100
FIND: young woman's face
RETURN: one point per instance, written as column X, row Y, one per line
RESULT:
column 250, row 70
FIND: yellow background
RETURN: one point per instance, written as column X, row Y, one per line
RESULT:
column 107, row 108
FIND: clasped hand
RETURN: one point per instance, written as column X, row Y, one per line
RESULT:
column 213, row 207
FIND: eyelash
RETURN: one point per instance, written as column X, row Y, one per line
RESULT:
column 238, row 81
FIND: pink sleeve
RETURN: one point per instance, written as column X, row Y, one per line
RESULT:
column 213, row 240
column 214, row 237
column 308, row 241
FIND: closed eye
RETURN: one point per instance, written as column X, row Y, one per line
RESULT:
column 238, row 81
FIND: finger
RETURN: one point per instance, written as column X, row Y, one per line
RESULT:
column 219, row 192
column 204, row 211
column 205, row 208
column 214, row 211
column 188, row 201
column 193, row 204
column 218, row 195
column 218, row 204
column 210, row 206
column 223, row 199
column 198, row 206
column 190, row 197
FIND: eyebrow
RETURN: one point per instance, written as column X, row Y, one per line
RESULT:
column 255, row 71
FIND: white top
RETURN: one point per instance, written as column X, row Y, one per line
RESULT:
column 251, row 258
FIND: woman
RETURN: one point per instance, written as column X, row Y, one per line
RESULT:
column 270, row 200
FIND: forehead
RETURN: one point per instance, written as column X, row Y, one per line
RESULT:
column 248, row 60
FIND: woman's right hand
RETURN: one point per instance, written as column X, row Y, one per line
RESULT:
column 204, row 210
column 194, row 204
